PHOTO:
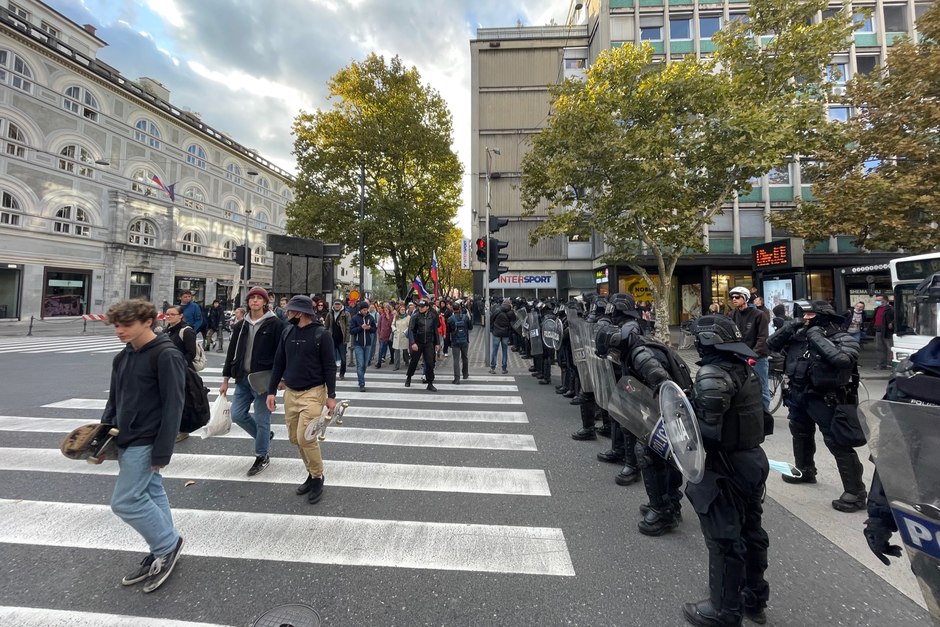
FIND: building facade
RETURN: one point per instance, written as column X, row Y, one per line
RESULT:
column 83, row 222
column 510, row 103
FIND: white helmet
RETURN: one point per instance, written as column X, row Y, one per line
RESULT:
column 743, row 291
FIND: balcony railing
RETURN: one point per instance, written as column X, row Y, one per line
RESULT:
column 532, row 32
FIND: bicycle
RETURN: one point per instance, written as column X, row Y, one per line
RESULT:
column 687, row 339
column 777, row 383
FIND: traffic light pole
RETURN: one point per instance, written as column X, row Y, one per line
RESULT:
column 487, row 308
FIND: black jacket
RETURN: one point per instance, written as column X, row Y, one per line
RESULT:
column 184, row 340
column 215, row 317
column 147, row 406
column 502, row 321
column 422, row 329
column 301, row 364
column 263, row 350
column 753, row 325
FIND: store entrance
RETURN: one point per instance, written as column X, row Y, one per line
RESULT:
column 66, row 293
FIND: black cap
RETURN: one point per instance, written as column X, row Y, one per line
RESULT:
column 423, row 303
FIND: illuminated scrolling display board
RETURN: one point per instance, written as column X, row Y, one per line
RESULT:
column 784, row 254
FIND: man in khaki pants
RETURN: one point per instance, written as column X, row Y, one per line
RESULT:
column 305, row 367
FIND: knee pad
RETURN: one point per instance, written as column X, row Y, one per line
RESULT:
column 799, row 430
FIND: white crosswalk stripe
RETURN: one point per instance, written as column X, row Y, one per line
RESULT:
column 399, row 385
column 37, row 346
column 40, row 617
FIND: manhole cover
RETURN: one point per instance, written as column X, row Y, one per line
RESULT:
column 292, row 615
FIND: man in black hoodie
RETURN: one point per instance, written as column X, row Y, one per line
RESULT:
column 145, row 403
column 503, row 317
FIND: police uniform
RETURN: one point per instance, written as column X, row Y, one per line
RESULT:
column 821, row 366
column 590, row 412
column 730, row 410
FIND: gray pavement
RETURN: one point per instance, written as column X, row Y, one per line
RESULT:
column 481, row 549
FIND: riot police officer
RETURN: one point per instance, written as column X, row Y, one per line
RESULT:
column 563, row 354
column 730, row 412
column 590, row 412
column 821, row 365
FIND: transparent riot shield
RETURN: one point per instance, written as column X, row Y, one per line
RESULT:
column 534, row 331
column 904, row 440
column 581, row 343
column 520, row 319
column 602, row 371
column 551, row 333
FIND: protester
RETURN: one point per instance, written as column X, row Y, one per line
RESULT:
column 883, row 324
column 192, row 312
column 319, row 309
column 400, row 344
column 855, row 320
column 423, row 333
column 501, row 328
column 181, row 334
column 362, row 329
column 754, row 325
column 386, row 318
column 337, row 323
column 279, row 311
column 145, row 403
column 214, row 319
column 305, row 364
column 458, row 330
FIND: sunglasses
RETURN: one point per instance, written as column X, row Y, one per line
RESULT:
column 737, row 296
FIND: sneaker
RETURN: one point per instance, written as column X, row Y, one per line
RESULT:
column 181, row 436
column 492, row 370
column 456, row 381
column 142, row 572
column 431, row 388
column 505, row 371
column 408, row 382
column 161, row 568
column 466, row 376
column 272, row 435
column 342, row 377
column 316, row 490
column 362, row 388
column 261, row 462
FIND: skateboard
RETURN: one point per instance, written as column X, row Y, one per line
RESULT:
column 94, row 443
column 317, row 428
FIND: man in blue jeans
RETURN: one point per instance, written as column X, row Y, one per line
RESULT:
column 501, row 327
column 145, row 403
column 251, row 349
column 754, row 326
column 362, row 332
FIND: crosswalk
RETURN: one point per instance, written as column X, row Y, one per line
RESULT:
column 61, row 345
column 394, row 441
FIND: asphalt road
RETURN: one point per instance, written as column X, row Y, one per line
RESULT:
column 501, row 535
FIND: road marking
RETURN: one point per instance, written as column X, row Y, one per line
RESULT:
column 304, row 539
column 369, row 475
column 59, row 345
column 371, row 373
column 436, row 415
column 41, row 617
column 400, row 385
column 418, row 395
column 337, row 434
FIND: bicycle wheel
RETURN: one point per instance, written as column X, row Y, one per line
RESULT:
column 776, row 392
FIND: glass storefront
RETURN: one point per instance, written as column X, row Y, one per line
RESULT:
column 9, row 292
column 193, row 284
column 223, row 293
column 66, row 293
column 819, row 285
column 722, row 283
column 141, row 286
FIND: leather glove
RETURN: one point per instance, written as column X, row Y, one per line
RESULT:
column 815, row 332
column 878, row 537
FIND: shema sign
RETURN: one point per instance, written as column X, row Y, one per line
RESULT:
column 354, row 296
column 465, row 250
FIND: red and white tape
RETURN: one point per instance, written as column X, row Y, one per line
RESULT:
column 101, row 317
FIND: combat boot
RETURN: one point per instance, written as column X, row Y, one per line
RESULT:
column 658, row 521
column 855, row 497
column 676, row 510
column 628, row 475
column 723, row 607
column 612, row 456
column 804, row 452
column 586, row 433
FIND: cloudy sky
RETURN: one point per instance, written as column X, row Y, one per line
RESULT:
column 248, row 66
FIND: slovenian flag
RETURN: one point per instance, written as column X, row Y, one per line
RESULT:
column 419, row 287
column 437, row 284
column 168, row 190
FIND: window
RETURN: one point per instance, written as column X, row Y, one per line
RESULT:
column 142, row 233
column 77, row 160
column 49, row 30
column 81, row 102
column 895, row 18
column 809, row 172
column 196, row 156
column 708, row 25
column 14, row 69
column 737, row 17
column 193, row 198
column 192, row 243
column 868, row 24
column 263, row 186
column 839, row 114
column 779, row 176
column 148, row 133
column 17, row 140
column 866, row 65
column 283, row 224
column 232, row 211
column 651, row 28
column 9, row 210
column 680, row 28
column 228, row 249
column 837, row 72
column 143, row 182
column 260, row 255
column 831, row 13
column 72, row 220
column 261, row 222
column 19, row 12
column 919, row 10
column 234, row 173
column 287, row 195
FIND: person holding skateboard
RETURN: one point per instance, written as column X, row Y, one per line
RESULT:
column 145, row 403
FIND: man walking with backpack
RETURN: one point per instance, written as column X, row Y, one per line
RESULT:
column 192, row 313
column 337, row 324
column 458, row 330
column 501, row 327
column 251, row 351
column 145, row 403
column 306, row 365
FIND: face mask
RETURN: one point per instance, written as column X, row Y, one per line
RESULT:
column 878, row 303
column 294, row 321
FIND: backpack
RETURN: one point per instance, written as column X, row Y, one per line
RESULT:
column 195, row 398
column 460, row 325
column 200, row 361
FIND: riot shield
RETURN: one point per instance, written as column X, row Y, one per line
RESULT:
column 551, row 333
column 668, row 425
column 520, row 319
column 534, row 331
column 602, row 371
column 581, row 343
column 904, row 440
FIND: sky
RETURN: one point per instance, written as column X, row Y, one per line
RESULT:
column 249, row 66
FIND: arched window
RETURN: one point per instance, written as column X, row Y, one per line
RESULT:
column 287, row 195
column 192, row 243
column 283, row 224
column 15, row 71
column 260, row 255
column 261, row 220
column 143, row 182
column 79, row 100
column 142, row 233
column 16, row 140
column 77, row 160
column 234, row 173
column 228, row 249
column 9, row 210
column 196, row 156
column 72, row 220
column 194, row 199
column 263, row 186
column 233, row 211
column 148, row 133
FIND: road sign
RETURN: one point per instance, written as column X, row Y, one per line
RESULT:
column 465, row 250
column 354, row 295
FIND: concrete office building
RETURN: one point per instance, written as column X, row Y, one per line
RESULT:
column 510, row 103
column 82, row 222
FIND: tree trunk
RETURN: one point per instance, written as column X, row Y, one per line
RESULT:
column 661, row 293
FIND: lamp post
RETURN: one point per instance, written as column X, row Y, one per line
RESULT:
column 486, row 272
column 362, row 241
column 252, row 173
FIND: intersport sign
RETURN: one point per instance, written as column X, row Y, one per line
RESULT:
column 526, row 280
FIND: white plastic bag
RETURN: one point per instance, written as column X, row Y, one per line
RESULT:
column 220, row 419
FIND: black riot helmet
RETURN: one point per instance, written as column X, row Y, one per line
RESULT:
column 717, row 332
column 825, row 313
column 621, row 305
column 928, row 290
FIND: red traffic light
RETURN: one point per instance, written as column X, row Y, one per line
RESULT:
column 481, row 250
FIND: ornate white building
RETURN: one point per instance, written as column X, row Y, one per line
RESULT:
column 82, row 223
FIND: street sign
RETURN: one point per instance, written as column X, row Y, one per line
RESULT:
column 465, row 250
column 354, row 295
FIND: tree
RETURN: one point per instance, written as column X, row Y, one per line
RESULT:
column 653, row 152
column 451, row 276
column 383, row 286
column 400, row 131
column 879, row 180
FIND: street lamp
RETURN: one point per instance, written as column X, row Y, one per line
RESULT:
column 252, row 173
column 486, row 271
